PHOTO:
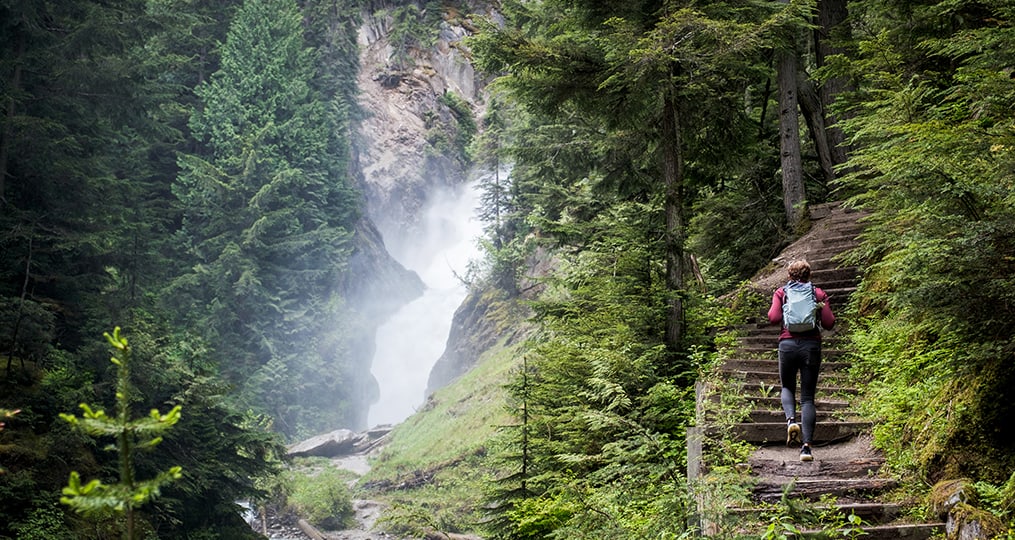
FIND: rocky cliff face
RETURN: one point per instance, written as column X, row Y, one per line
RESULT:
column 399, row 167
column 487, row 318
column 406, row 115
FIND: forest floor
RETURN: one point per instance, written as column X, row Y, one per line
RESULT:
column 365, row 514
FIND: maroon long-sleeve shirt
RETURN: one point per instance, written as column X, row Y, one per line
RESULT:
column 775, row 315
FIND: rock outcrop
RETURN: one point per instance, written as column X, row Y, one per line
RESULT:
column 376, row 284
column 472, row 332
column 341, row 442
column 405, row 113
column 402, row 167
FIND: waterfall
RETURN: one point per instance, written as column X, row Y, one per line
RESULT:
column 410, row 342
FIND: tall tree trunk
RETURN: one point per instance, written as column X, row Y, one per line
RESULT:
column 831, row 28
column 498, row 232
column 793, row 193
column 673, row 177
column 810, row 106
column 525, row 424
column 21, row 305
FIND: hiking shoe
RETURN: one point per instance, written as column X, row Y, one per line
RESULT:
column 792, row 433
column 805, row 454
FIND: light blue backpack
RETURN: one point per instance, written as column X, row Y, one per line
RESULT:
column 799, row 307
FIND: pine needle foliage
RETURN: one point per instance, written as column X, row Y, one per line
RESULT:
column 934, row 167
column 268, row 223
column 598, row 451
column 96, row 498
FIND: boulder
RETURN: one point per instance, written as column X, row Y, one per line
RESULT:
column 340, row 442
column 968, row 523
column 955, row 501
column 947, row 494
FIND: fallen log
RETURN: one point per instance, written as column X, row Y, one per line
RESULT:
column 310, row 530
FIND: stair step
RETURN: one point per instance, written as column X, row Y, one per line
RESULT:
column 759, row 330
column 771, row 491
column 841, row 241
column 826, row 252
column 842, row 223
column 764, row 364
column 768, row 433
column 837, row 282
column 823, row 389
column 769, row 378
column 769, row 337
column 839, row 293
column 772, row 352
column 833, row 273
column 757, row 352
column 872, row 513
column 837, row 218
column 777, row 415
column 909, row 531
column 738, row 366
column 791, row 467
column 769, row 375
column 828, row 262
column 752, row 350
column 774, row 403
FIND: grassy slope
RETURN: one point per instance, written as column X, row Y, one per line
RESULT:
column 433, row 472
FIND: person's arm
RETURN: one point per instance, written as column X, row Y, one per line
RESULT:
column 775, row 312
column 827, row 317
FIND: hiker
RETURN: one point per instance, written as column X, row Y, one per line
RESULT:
column 800, row 349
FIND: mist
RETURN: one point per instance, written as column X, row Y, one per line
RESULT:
column 410, row 342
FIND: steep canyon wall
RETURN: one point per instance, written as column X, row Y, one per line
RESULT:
column 402, row 165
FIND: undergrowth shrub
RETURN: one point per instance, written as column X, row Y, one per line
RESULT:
column 927, row 393
column 320, row 496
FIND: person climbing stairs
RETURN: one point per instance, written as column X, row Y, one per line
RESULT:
column 843, row 477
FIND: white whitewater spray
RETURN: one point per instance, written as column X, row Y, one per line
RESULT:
column 410, row 342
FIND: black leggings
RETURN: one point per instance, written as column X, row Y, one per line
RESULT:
column 803, row 355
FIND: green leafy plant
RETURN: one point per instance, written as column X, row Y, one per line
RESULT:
column 999, row 500
column 781, row 527
column 96, row 498
column 823, row 519
column 320, row 496
column 42, row 523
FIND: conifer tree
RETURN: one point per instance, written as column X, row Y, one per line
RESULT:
column 269, row 215
column 76, row 94
column 645, row 87
column 932, row 163
column 96, row 498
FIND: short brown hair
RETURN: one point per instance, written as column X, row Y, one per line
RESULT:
column 799, row 271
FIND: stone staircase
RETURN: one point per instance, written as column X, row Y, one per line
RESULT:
column 846, row 468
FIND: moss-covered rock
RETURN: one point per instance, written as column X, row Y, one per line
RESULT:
column 966, row 522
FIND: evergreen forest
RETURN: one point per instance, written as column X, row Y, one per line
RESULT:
column 179, row 185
